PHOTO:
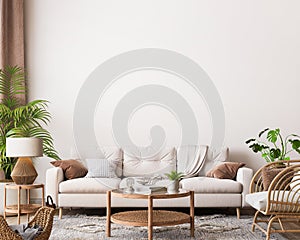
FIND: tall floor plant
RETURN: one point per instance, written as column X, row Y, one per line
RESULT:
column 21, row 120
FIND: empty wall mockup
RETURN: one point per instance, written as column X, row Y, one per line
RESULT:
column 249, row 51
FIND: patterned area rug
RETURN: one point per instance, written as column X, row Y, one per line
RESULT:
column 212, row 227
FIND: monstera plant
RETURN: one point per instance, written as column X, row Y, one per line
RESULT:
column 273, row 146
column 21, row 120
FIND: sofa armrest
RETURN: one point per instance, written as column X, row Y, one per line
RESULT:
column 244, row 176
column 54, row 176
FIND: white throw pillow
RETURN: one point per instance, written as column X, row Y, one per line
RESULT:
column 100, row 168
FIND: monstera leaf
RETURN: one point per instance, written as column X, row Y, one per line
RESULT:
column 273, row 135
column 276, row 147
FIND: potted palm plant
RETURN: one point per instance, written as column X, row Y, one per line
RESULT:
column 21, row 120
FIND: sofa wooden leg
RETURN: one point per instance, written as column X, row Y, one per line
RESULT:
column 238, row 213
column 60, row 213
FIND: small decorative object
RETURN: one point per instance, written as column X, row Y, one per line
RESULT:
column 274, row 147
column 174, row 176
column 129, row 183
column 149, row 181
column 24, row 148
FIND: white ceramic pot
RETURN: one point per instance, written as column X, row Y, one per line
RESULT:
column 173, row 187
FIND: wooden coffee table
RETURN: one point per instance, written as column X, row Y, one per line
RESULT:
column 149, row 217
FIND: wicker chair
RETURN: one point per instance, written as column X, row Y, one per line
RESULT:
column 280, row 203
column 43, row 218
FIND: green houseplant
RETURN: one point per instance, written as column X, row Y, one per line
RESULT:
column 21, row 120
column 174, row 176
column 272, row 146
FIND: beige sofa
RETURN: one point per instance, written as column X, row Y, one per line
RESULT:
column 194, row 161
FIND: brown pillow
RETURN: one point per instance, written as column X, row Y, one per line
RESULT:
column 226, row 170
column 268, row 173
column 71, row 168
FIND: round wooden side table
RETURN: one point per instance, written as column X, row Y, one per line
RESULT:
column 149, row 217
column 19, row 208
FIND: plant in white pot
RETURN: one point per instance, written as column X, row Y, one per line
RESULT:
column 174, row 176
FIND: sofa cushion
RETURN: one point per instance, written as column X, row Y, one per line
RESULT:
column 146, row 161
column 211, row 185
column 89, row 185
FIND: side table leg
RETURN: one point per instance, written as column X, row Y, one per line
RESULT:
column 108, row 214
column 192, row 214
column 4, row 210
column 28, row 202
column 19, row 207
column 150, row 217
column 43, row 195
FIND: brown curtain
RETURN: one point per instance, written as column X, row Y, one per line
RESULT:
column 11, row 33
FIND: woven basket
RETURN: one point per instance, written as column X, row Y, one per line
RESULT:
column 43, row 218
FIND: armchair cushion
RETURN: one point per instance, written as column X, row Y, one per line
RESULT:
column 295, row 182
column 259, row 200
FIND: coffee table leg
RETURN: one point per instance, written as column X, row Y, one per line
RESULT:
column 192, row 213
column 108, row 213
column 150, row 217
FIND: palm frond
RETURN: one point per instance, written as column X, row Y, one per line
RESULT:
column 12, row 81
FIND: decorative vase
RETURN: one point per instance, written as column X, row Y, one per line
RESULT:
column 173, row 187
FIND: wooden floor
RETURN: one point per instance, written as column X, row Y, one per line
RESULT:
column 291, row 236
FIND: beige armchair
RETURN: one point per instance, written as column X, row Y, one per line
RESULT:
column 280, row 202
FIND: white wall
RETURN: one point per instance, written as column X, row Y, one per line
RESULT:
column 250, row 50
